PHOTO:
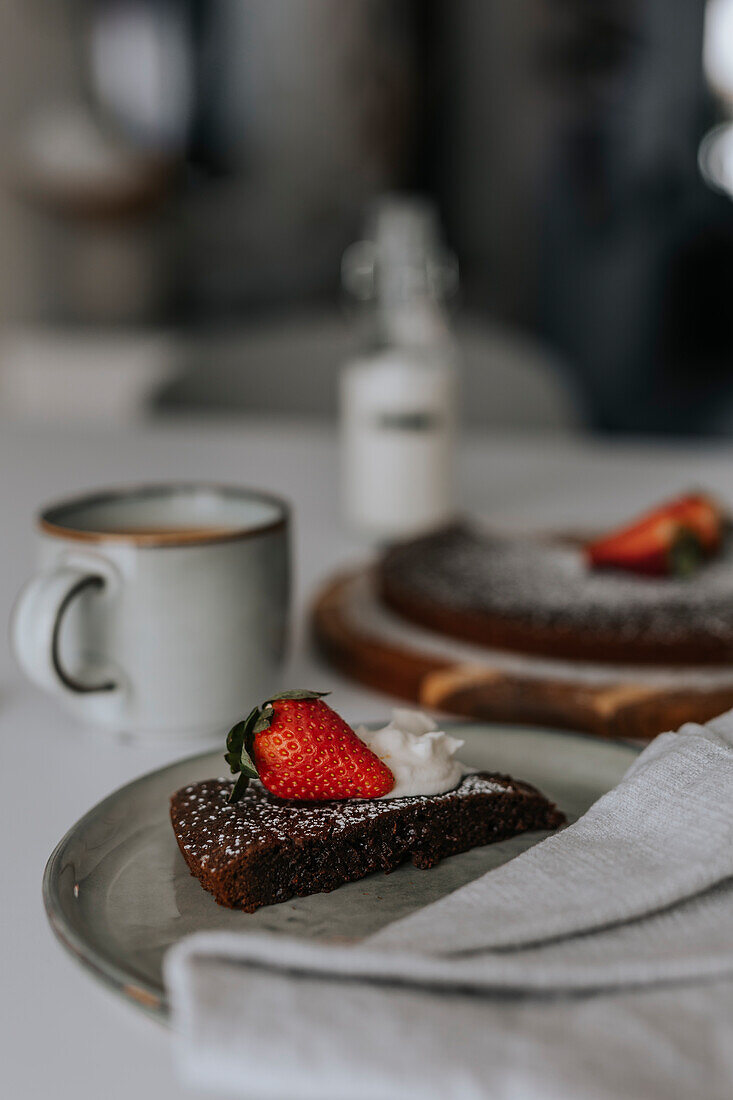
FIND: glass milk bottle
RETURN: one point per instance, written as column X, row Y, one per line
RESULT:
column 398, row 399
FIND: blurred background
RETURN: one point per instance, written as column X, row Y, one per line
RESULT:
column 180, row 181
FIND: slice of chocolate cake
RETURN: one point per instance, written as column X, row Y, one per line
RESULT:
column 263, row 849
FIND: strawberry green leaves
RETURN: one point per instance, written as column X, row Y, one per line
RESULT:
column 299, row 694
column 240, row 742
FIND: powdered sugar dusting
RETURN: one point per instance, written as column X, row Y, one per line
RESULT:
column 259, row 819
column 549, row 584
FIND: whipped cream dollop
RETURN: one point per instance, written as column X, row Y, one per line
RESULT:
column 420, row 756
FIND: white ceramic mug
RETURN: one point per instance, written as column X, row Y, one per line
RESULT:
column 160, row 609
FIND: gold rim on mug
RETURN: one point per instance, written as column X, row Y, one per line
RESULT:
column 50, row 519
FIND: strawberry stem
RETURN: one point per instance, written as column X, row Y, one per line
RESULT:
column 685, row 554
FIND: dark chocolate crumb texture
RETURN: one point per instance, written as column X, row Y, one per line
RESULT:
column 262, row 849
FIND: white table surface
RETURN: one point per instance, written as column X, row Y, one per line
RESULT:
column 61, row 1033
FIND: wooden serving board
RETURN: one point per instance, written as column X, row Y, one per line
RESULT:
column 370, row 644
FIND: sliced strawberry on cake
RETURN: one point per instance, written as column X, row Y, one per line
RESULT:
column 298, row 747
column 672, row 540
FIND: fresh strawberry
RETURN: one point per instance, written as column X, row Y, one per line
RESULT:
column 672, row 539
column 659, row 549
column 299, row 748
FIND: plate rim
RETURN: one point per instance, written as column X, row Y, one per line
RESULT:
column 146, row 996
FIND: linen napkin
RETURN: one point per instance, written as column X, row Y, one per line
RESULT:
column 566, row 972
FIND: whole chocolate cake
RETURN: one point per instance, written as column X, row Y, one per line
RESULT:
column 539, row 596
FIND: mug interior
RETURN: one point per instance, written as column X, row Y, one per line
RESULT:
column 166, row 514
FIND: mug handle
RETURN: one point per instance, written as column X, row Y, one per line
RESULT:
column 35, row 627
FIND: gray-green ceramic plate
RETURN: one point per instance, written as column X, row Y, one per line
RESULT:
column 118, row 893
